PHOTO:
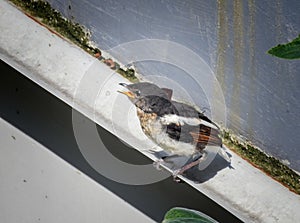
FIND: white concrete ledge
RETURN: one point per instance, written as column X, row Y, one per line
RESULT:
column 68, row 72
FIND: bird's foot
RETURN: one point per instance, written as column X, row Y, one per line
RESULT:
column 186, row 167
column 165, row 159
column 175, row 175
column 157, row 164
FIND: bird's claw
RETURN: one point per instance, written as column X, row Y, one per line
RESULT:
column 175, row 175
column 157, row 164
column 176, row 179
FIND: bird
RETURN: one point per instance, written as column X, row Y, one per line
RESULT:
column 178, row 128
column 185, row 110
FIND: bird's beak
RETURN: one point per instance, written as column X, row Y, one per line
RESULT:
column 127, row 93
column 123, row 84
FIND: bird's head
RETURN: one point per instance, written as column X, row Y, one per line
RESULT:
column 132, row 93
column 148, row 97
column 155, row 104
column 146, row 89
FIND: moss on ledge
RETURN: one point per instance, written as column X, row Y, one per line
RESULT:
column 43, row 11
column 76, row 33
column 270, row 165
column 129, row 74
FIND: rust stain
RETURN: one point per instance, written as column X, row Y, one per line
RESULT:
column 238, row 50
column 222, row 46
column 47, row 27
column 222, row 41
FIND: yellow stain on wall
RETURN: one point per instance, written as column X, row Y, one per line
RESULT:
column 238, row 51
column 224, row 35
column 252, row 69
column 222, row 40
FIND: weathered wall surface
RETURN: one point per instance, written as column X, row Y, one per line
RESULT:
column 232, row 36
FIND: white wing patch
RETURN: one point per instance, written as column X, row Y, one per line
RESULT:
column 180, row 121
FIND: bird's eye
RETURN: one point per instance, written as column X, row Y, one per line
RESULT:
column 138, row 93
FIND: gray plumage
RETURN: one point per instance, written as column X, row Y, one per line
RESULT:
column 142, row 89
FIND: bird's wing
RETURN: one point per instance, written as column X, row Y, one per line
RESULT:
column 190, row 111
column 192, row 130
column 181, row 120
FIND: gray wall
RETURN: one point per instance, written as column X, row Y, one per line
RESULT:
column 261, row 91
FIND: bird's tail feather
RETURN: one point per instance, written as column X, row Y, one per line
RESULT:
column 207, row 136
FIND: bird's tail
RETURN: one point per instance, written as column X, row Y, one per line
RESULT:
column 207, row 136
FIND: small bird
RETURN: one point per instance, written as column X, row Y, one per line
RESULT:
column 179, row 129
column 185, row 110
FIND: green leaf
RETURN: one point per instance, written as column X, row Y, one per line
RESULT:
column 184, row 215
column 289, row 50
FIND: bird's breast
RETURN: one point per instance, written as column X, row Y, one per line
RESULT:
column 147, row 121
column 152, row 126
